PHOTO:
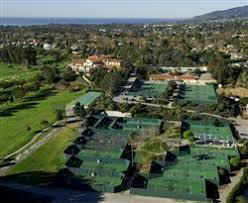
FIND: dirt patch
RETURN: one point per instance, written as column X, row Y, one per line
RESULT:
column 235, row 91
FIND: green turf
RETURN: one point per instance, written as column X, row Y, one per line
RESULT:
column 87, row 98
column 14, row 133
column 16, row 71
column 49, row 157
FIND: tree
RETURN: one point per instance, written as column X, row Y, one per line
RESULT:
column 49, row 74
column 197, row 72
column 44, row 122
column 69, row 75
column 111, row 82
column 59, row 114
column 79, row 110
column 29, row 128
column 188, row 135
column 82, row 111
column 235, row 162
column 76, row 108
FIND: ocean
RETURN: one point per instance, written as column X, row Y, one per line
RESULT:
column 81, row 21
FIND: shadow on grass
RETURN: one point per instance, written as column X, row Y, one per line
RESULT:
column 12, row 110
column 70, row 187
column 43, row 94
column 28, row 103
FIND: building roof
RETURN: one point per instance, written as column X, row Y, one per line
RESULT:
column 166, row 76
column 78, row 61
column 102, row 58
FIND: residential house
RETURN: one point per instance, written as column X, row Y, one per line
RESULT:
column 188, row 79
column 94, row 61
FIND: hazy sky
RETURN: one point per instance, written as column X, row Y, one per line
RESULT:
column 114, row 8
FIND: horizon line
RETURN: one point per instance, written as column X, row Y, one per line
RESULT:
column 172, row 18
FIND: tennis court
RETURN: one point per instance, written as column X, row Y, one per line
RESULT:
column 103, row 142
column 186, row 178
column 100, row 160
column 122, row 125
column 211, row 131
column 199, row 94
column 148, row 89
column 86, row 100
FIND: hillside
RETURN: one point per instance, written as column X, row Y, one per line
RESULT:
column 238, row 12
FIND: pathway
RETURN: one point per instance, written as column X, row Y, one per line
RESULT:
column 29, row 143
column 225, row 190
column 24, row 152
column 87, row 80
column 117, row 99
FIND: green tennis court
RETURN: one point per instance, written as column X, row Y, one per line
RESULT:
column 186, row 178
column 148, row 89
column 200, row 94
column 88, row 98
column 222, row 132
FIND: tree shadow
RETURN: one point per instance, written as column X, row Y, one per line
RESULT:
column 12, row 110
column 43, row 94
column 8, row 194
column 28, row 103
column 49, row 187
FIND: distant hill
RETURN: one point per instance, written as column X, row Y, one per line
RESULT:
column 238, row 12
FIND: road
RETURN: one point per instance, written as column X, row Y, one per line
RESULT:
column 117, row 99
column 242, row 127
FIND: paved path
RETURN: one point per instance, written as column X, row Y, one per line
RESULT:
column 242, row 127
column 171, row 107
column 29, row 143
column 29, row 150
column 225, row 190
column 87, row 80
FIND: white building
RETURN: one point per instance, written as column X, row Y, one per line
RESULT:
column 47, row 46
column 184, row 70
column 85, row 66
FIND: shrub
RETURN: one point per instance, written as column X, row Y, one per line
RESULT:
column 235, row 162
column 29, row 128
column 44, row 122
column 188, row 134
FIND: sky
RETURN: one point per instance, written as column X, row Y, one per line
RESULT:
column 114, row 8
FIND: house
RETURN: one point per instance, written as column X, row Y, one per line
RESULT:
column 78, row 66
column 47, row 46
column 94, row 61
column 103, row 60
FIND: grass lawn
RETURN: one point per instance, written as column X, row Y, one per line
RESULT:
column 14, row 132
column 41, row 166
column 50, row 156
column 16, row 71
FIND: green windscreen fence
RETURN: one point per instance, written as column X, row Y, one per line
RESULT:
column 88, row 98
